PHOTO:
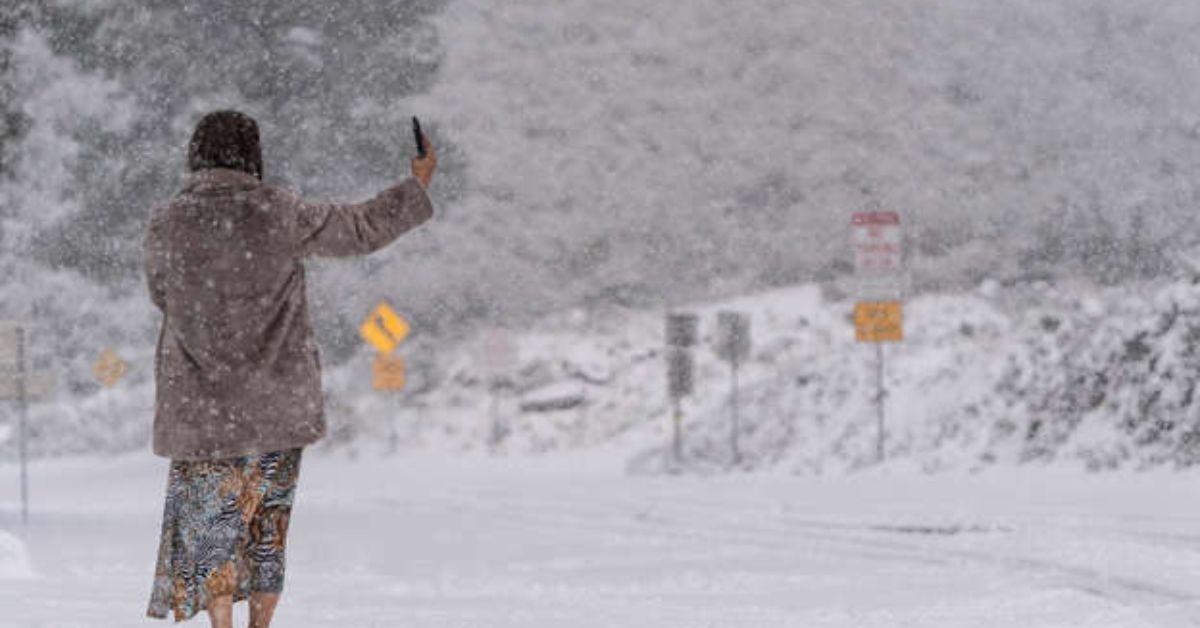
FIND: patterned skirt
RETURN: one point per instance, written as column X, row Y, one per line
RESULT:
column 224, row 531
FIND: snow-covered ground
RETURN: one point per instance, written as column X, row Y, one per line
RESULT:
column 472, row 541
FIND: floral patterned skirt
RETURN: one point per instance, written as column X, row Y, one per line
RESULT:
column 224, row 531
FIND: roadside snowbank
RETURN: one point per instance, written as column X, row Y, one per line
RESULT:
column 14, row 558
column 1102, row 378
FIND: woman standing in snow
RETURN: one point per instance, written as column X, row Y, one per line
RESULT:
column 237, row 372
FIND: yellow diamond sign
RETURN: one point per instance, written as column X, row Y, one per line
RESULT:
column 384, row 329
column 110, row 368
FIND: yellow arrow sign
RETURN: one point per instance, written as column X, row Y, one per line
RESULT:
column 384, row 329
column 110, row 368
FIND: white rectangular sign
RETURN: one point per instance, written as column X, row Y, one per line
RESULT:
column 878, row 256
column 877, row 244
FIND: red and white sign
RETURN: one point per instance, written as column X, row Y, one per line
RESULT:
column 877, row 244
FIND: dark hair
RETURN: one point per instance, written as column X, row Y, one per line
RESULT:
column 226, row 139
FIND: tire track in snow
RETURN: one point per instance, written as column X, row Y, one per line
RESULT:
column 685, row 522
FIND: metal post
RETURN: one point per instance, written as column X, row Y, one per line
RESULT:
column 23, row 419
column 678, row 442
column 820, row 444
column 879, row 399
column 734, row 428
column 582, row 418
column 495, row 412
column 393, row 430
column 418, row 419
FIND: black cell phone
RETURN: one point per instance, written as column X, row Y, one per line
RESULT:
column 419, row 137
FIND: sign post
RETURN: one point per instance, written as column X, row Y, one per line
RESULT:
column 388, row 374
column 385, row 330
column 13, row 369
column 682, row 333
column 501, row 355
column 878, row 315
column 733, row 346
column 18, row 384
column 23, row 418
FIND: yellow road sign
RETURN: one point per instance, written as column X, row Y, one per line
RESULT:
column 384, row 329
column 389, row 372
column 879, row 321
column 110, row 368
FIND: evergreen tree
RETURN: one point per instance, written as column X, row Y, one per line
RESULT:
column 323, row 79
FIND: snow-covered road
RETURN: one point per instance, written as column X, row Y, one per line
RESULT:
column 447, row 542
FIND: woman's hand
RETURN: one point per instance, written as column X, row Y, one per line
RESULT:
column 423, row 167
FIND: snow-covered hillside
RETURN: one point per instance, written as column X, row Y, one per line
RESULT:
column 1097, row 378
column 707, row 148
